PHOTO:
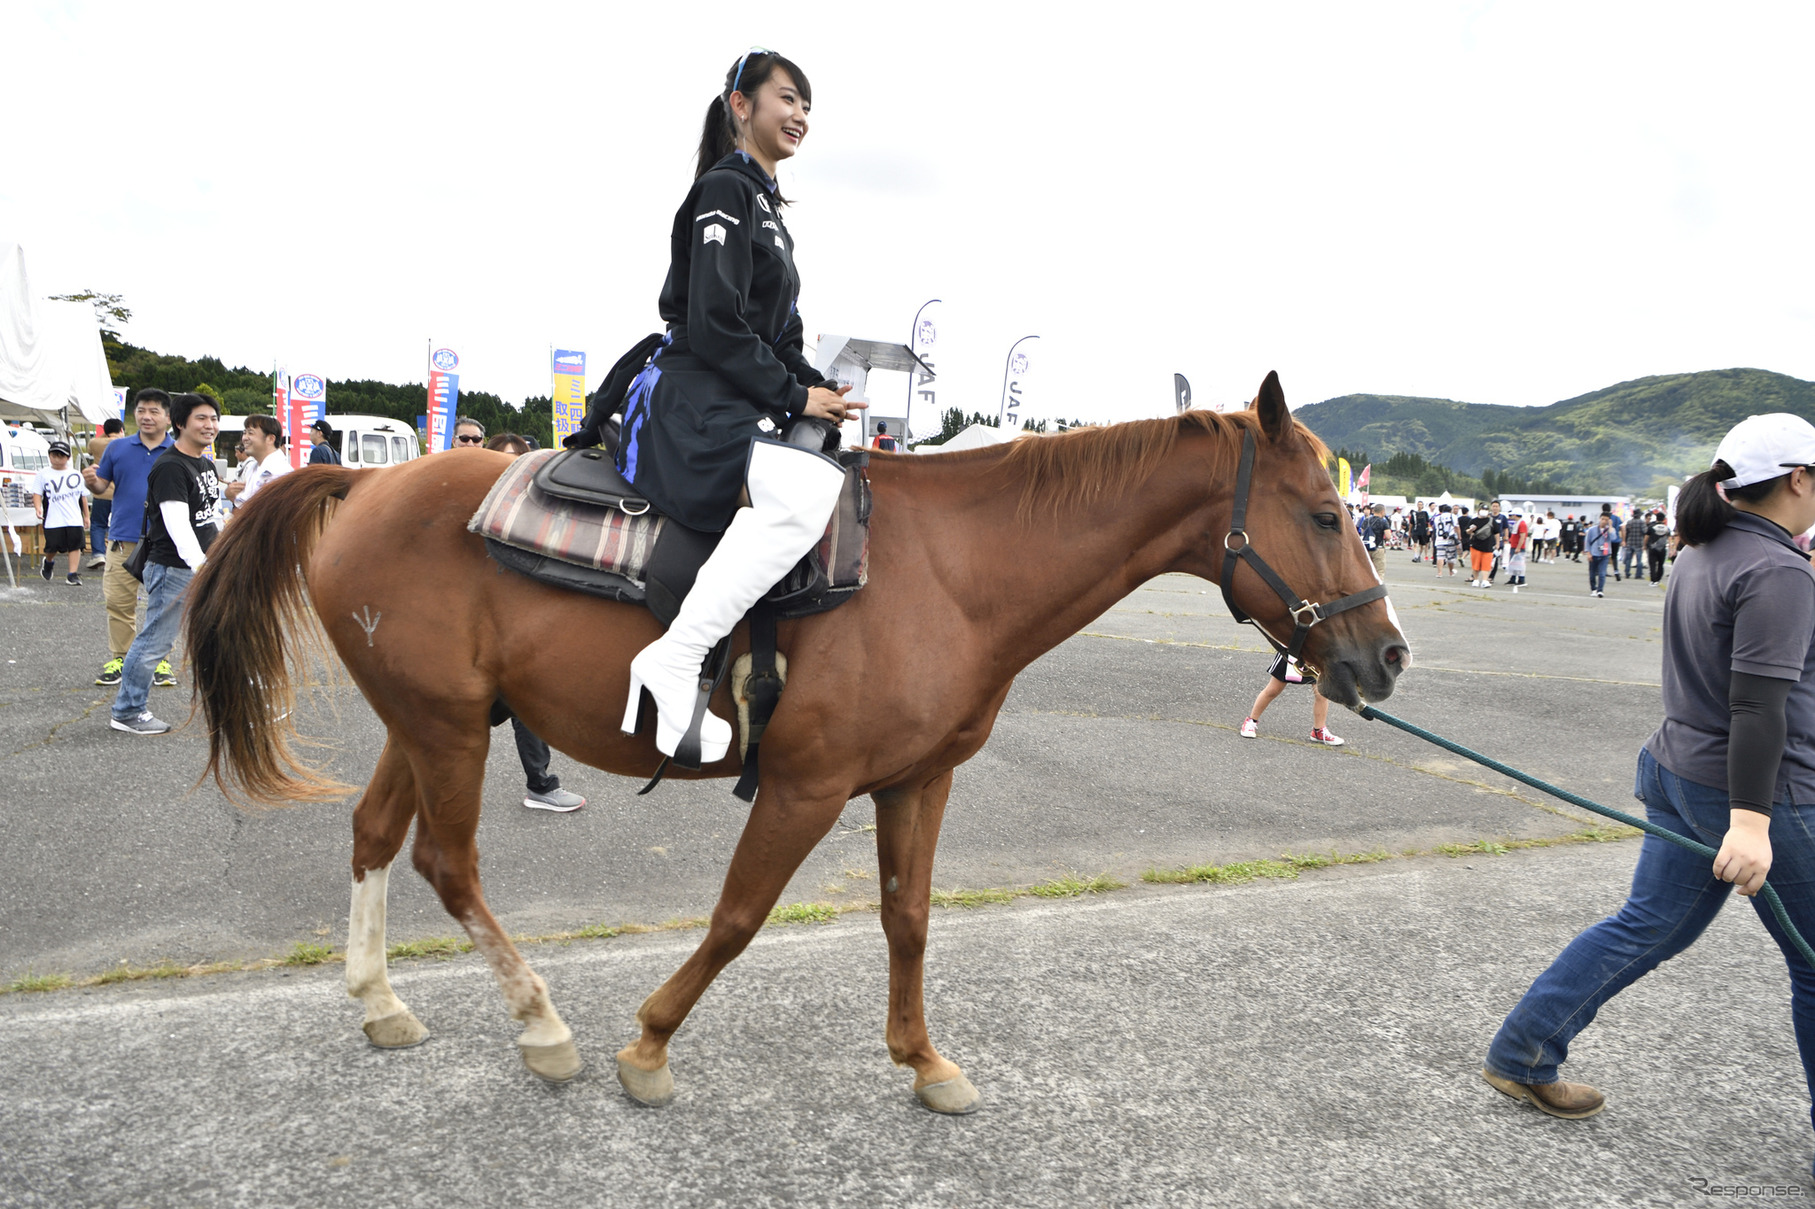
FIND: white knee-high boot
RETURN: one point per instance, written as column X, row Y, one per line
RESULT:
column 792, row 494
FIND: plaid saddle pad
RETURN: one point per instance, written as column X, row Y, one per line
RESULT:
column 517, row 513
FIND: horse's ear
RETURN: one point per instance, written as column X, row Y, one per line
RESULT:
column 1275, row 419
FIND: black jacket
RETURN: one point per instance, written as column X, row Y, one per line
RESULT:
column 732, row 367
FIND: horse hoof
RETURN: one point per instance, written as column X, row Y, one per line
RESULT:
column 653, row 1088
column 399, row 1030
column 954, row 1096
column 556, row 1063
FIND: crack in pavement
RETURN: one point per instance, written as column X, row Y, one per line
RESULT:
column 51, row 735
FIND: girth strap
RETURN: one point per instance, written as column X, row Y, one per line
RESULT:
column 762, row 690
column 1304, row 613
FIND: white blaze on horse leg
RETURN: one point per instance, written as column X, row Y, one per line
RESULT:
column 366, row 976
column 524, row 991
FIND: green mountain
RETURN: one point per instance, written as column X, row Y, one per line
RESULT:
column 1625, row 438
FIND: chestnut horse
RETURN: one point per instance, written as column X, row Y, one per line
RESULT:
column 980, row 562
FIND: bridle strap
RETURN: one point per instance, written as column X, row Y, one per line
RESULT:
column 1304, row 613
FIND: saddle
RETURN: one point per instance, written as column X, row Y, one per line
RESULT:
column 569, row 519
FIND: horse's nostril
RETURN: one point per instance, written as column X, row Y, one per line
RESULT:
column 1394, row 655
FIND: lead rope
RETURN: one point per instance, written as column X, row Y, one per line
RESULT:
column 1768, row 891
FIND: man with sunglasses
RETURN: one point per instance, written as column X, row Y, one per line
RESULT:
column 468, row 433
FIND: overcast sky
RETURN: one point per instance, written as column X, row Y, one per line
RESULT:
column 1500, row 203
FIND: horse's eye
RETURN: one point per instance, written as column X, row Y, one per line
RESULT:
column 1326, row 519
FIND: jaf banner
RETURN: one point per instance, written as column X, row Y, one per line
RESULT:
column 1014, row 384
column 308, row 403
column 569, row 369
column 1181, row 393
column 923, row 418
column 280, row 409
column 1343, row 483
column 444, row 396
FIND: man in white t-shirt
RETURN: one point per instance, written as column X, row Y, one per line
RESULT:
column 61, row 506
column 267, row 460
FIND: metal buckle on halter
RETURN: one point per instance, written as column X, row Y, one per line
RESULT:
column 1300, row 612
column 1232, row 535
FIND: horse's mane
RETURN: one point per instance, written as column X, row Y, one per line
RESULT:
column 1083, row 467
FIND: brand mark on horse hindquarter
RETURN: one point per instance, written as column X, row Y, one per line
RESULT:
column 368, row 623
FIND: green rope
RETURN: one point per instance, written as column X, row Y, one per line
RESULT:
column 1768, row 891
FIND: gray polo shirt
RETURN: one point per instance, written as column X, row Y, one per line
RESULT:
column 1744, row 602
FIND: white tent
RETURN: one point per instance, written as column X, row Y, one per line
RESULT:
column 50, row 352
column 976, row 436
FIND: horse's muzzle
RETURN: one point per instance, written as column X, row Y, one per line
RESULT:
column 1368, row 670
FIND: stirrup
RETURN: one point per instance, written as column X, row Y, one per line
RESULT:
column 687, row 751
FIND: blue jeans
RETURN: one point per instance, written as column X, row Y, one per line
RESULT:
column 164, row 588
column 535, row 756
column 99, row 513
column 1597, row 572
column 1635, row 558
column 1674, row 897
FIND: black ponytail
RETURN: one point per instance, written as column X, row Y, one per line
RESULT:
column 718, row 135
column 1701, row 513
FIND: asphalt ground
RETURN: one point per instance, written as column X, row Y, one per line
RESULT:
column 1306, row 1041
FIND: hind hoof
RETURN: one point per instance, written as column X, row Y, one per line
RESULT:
column 653, row 1088
column 955, row 1097
column 399, row 1030
column 555, row 1063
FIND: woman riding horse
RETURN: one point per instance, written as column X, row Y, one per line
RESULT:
column 702, row 421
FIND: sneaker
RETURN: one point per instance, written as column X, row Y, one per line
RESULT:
column 73, row 578
column 47, row 570
column 142, row 724
column 556, row 799
column 1250, row 728
column 97, row 563
column 1324, row 737
column 163, row 676
column 110, row 672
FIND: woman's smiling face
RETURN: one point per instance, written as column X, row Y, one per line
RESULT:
column 774, row 121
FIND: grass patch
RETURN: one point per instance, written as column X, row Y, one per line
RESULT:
column 597, row 932
column 302, row 954
column 1072, row 887
column 803, row 913
column 129, row 973
column 438, row 947
column 1481, row 847
column 29, row 982
column 972, row 898
column 1233, row 874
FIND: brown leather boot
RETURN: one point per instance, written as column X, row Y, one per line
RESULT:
column 1571, row 1101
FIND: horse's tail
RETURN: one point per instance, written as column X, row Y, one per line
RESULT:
column 245, row 605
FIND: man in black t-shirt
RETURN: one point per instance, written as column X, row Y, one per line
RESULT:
column 182, row 518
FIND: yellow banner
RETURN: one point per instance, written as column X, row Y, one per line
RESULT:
column 1342, row 478
column 569, row 370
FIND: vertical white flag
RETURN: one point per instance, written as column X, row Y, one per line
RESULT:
column 923, row 418
column 1014, row 384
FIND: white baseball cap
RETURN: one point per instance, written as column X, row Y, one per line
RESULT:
column 1764, row 447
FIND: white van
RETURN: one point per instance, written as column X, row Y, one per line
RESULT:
column 360, row 440
column 23, row 453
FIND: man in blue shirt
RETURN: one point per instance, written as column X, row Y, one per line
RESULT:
column 321, row 435
column 124, row 466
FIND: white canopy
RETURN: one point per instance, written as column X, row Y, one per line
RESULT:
column 976, row 436
column 50, row 352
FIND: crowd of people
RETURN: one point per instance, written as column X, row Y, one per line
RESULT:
column 150, row 505
column 1494, row 540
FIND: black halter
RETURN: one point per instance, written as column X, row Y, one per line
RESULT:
column 1304, row 613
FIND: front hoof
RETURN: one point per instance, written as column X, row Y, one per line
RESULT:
column 654, row 1088
column 556, row 1063
column 399, row 1030
column 953, row 1096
